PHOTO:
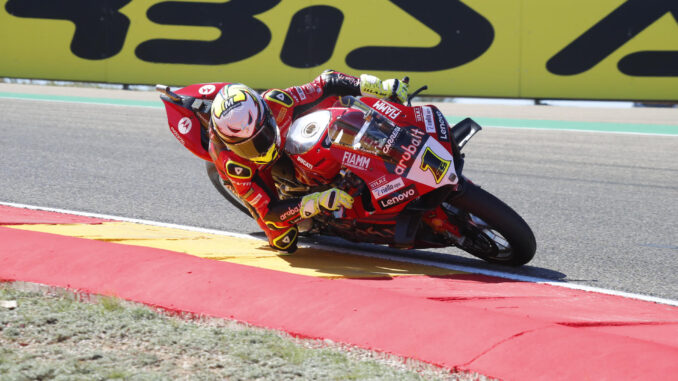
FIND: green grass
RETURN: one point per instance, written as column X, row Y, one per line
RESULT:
column 54, row 336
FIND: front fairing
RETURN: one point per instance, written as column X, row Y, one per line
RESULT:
column 397, row 163
column 405, row 151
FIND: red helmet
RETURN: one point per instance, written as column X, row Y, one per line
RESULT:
column 243, row 121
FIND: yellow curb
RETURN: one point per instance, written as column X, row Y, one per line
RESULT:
column 244, row 251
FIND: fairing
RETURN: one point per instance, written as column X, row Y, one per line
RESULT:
column 184, row 123
column 398, row 163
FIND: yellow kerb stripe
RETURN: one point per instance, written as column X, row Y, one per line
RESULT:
column 251, row 252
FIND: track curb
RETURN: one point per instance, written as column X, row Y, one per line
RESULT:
column 493, row 326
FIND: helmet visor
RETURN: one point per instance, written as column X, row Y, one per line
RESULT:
column 261, row 147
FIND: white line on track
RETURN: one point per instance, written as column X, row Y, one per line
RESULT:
column 473, row 270
column 96, row 101
column 578, row 130
column 103, row 102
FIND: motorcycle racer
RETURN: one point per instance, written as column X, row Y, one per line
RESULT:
column 247, row 134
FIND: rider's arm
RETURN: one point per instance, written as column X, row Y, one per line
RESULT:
column 333, row 83
column 329, row 83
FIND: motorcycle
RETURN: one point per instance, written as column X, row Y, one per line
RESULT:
column 402, row 164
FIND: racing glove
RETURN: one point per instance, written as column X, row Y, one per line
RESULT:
column 331, row 199
column 390, row 88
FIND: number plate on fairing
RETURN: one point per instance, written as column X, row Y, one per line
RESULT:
column 434, row 166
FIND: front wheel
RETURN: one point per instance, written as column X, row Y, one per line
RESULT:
column 490, row 229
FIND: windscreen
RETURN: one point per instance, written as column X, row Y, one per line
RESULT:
column 364, row 129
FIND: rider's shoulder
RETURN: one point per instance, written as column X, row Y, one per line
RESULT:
column 280, row 97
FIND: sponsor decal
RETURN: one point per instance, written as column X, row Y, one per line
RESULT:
column 256, row 200
column 281, row 115
column 280, row 97
column 207, row 89
column 391, row 140
column 233, row 102
column 442, row 130
column 418, row 116
column 399, row 197
column 184, row 125
column 310, row 130
column 304, row 162
column 310, row 88
column 243, row 184
column 386, row 109
column 179, row 138
column 286, row 239
column 237, row 170
column 290, row 212
column 428, row 120
column 388, row 188
column 354, row 160
column 410, row 151
column 219, row 109
column 301, row 93
column 378, row 182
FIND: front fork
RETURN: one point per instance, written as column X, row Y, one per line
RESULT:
column 439, row 222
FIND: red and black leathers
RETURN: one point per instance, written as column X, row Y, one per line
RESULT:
column 254, row 183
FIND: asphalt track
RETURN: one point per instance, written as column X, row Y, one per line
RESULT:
column 602, row 205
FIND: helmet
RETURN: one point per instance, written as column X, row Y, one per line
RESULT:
column 243, row 121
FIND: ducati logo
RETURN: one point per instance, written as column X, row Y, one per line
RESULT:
column 304, row 162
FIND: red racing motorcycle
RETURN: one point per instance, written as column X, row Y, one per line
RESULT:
column 402, row 164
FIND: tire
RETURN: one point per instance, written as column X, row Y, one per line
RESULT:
column 484, row 216
column 220, row 184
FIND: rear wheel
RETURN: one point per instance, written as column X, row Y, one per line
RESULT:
column 223, row 188
column 491, row 230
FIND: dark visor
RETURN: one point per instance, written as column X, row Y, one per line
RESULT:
column 258, row 144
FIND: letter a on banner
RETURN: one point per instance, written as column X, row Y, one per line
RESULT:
column 612, row 32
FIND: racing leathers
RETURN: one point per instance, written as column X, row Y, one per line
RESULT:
column 255, row 184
